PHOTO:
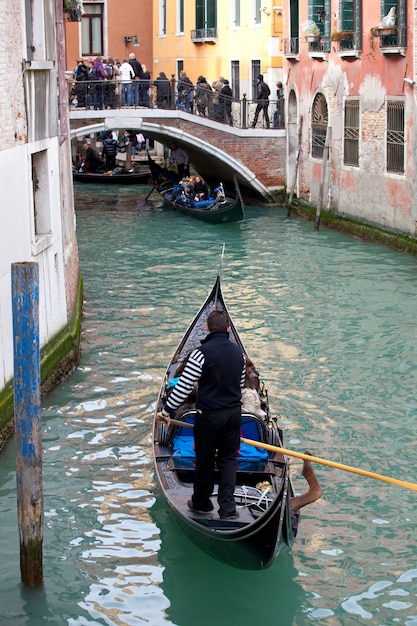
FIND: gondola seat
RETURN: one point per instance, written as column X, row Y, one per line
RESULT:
column 182, row 438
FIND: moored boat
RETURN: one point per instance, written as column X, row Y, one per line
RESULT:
column 119, row 176
column 264, row 495
column 218, row 208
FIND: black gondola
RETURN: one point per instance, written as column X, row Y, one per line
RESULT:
column 217, row 209
column 119, row 176
column 263, row 493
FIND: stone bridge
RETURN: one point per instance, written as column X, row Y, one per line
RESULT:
column 256, row 156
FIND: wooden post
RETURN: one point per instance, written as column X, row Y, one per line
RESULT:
column 27, row 419
column 297, row 161
column 128, row 163
column 323, row 176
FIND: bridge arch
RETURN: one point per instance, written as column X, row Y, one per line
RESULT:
column 256, row 158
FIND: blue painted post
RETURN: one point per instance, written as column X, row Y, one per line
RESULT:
column 27, row 419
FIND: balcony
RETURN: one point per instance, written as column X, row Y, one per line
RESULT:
column 291, row 48
column 204, row 35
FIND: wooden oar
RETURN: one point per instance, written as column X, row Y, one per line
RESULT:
column 153, row 189
column 316, row 459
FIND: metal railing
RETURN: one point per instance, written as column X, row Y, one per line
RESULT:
column 164, row 94
column 200, row 35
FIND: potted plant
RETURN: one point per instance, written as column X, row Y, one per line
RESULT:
column 386, row 26
column 342, row 35
column 311, row 30
column 74, row 10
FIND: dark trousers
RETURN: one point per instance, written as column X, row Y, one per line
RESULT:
column 110, row 161
column 216, row 432
column 261, row 106
column 183, row 170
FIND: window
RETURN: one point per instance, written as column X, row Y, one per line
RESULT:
column 351, row 133
column 395, row 136
column 350, row 22
column 319, row 122
column 294, row 28
column 40, row 186
column 205, row 14
column 319, row 11
column 162, row 18
column 256, row 13
column 235, row 13
column 92, row 30
column 255, row 70
column 400, row 38
column 235, row 78
column 180, row 16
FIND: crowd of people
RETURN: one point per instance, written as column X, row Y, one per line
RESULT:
column 129, row 83
column 111, row 144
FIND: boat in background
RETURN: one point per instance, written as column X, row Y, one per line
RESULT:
column 119, row 176
column 264, row 495
column 219, row 208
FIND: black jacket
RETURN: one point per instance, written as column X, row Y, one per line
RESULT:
column 137, row 68
column 110, row 146
column 221, row 377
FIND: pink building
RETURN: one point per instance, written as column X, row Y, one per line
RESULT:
column 349, row 80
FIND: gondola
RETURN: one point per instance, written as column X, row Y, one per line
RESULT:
column 119, row 176
column 266, row 525
column 218, row 209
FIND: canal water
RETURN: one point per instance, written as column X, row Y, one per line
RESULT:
column 329, row 322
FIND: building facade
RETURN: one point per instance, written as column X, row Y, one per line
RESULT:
column 236, row 39
column 37, row 210
column 104, row 28
column 351, row 105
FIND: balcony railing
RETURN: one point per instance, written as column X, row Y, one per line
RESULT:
column 146, row 94
column 204, row 35
column 291, row 46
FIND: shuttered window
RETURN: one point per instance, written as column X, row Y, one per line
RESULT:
column 395, row 136
column 206, row 14
column 351, row 133
column 401, row 21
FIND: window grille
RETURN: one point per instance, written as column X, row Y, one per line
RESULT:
column 395, row 136
column 319, row 122
column 351, row 133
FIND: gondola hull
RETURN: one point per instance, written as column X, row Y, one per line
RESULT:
column 126, row 178
column 218, row 211
column 263, row 528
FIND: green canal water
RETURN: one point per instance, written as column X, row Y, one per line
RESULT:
column 330, row 323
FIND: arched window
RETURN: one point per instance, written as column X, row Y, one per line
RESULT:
column 319, row 122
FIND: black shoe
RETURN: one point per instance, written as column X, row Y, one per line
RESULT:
column 227, row 516
column 203, row 511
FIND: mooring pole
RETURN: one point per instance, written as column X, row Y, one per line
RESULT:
column 297, row 161
column 27, row 419
column 323, row 176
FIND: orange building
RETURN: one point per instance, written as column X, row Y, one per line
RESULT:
column 109, row 28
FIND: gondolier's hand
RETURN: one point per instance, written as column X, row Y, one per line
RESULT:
column 164, row 416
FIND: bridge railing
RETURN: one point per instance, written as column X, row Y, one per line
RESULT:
column 167, row 94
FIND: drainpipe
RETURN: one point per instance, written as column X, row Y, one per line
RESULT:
column 61, row 67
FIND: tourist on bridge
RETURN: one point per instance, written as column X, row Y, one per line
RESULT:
column 202, row 96
column 137, row 68
column 226, row 96
column 162, row 91
column 185, row 92
column 145, row 83
column 279, row 113
column 262, row 98
column 127, row 74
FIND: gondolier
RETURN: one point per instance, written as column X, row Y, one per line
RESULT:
column 179, row 156
column 219, row 368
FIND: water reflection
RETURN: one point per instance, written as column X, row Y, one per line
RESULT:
column 330, row 323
